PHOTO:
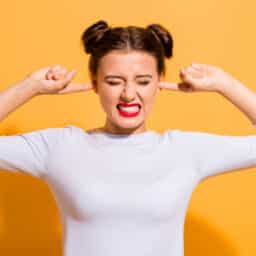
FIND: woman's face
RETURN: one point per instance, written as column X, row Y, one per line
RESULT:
column 126, row 77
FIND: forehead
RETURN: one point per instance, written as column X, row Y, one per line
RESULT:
column 125, row 63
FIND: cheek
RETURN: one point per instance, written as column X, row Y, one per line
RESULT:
column 149, row 101
column 108, row 99
column 150, row 95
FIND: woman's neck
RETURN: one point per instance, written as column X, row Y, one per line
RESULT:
column 104, row 129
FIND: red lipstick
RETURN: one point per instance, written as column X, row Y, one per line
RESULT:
column 128, row 105
column 125, row 113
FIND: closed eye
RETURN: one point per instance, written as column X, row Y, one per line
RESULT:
column 142, row 82
column 113, row 83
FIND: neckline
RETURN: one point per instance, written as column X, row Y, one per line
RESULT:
column 112, row 139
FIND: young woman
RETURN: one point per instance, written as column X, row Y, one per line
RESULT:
column 123, row 189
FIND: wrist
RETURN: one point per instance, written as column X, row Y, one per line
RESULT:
column 30, row 86
column 227, row 84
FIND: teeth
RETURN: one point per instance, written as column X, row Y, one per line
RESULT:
column 129, row 109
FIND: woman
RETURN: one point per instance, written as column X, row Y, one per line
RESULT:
column 123, row 189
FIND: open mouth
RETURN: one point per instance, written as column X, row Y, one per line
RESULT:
column 138, row 107
column 128, row 111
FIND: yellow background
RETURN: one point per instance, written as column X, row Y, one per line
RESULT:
column 221, row 214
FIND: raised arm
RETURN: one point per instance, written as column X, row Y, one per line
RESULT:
column 30, row 152
column 16, row 96
column 47, row 80
column 208, row 78
column 215, row 153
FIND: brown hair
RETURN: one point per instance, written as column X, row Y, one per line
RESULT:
column 99, row 39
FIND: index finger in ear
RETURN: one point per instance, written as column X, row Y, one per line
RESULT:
column 82, row 87
column 76, row 88
column 168, row 85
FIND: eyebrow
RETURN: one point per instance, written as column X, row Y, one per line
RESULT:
column 114, row 76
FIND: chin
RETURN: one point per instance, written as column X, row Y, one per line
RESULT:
column 132, row 122
column 127, row 124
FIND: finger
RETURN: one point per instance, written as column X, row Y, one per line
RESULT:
column 57, row 67
column 189, row 71
column 202, row 66
column 67, row 79
column 185, row 87
column 56, row 72
column 196, row 65
column 187, row 78
column 53, row 69
column 76, row 88
column 54, row 76
column 195, row 73
column 168, row 85
column 72, row 87
column 59, row 74
column 48, row 75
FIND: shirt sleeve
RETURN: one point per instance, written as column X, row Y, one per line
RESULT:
column 215, row 153
column 28, row 152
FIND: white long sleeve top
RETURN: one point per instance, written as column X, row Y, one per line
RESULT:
column 123, row 194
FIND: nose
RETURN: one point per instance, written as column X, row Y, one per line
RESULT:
column 128, row 93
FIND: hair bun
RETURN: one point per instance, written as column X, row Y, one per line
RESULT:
column 92, row 35
column 164, row 36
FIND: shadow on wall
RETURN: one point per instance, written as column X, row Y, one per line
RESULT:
column 30, row 223
column 11, row 130
column 201, row 238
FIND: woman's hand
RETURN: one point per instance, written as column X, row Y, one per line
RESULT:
column 56, row 80
column 199, row 77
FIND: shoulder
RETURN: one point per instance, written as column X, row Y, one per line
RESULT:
column 183, row 137
column 76, row 132
column 173, row 134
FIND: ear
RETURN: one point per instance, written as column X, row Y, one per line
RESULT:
column 160, row 79
column 95, row 86
column 93, row 82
